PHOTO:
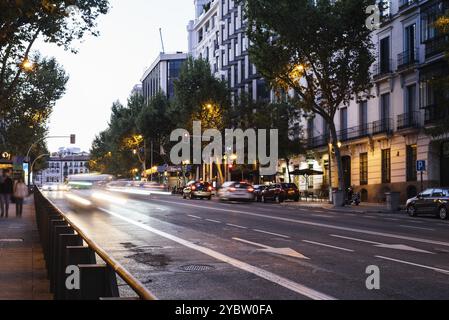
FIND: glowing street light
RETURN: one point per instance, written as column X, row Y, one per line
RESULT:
column 27, row 65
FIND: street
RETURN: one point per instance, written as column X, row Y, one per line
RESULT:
column 199, row 249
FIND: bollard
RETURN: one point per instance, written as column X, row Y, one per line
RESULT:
column 58, row 230
column 65, row 240
column 97, row 281
column 45, row 238
column 76, row 256
column 49, row 255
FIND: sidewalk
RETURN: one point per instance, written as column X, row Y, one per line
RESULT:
column 362, row 208
column 22, row 267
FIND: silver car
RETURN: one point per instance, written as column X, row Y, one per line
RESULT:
column 238, row 191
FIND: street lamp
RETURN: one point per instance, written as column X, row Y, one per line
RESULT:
column 27, row 65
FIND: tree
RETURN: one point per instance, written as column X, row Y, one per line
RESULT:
column 440, row 84
column 200, row 97
column 319, row 49
column 25, row 121
column 155, row 123
column 23, row 22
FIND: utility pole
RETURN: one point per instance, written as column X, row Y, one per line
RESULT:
column 162, row 40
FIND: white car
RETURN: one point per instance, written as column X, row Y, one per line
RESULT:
column 237, row 191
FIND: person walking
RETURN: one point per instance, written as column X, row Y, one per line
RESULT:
column 6, row 193
column 20, row 193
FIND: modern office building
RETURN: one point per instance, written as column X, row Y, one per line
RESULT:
column 383, row 138
column 160, row 76
column 218, row 34
column 62, row 164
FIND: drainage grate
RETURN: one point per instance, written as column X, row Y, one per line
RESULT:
column 197, row 267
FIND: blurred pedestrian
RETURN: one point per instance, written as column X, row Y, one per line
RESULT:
column 6, row 193
column 20, row 193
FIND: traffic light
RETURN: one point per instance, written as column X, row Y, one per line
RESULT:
column 72, row 139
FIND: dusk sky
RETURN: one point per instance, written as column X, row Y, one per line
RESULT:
column 106, row 68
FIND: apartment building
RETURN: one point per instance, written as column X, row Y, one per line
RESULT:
column 383, row 137
column 162, row 73
column 62, row 164
column 218, row 34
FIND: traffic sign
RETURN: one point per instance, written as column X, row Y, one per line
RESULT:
column 421, row 165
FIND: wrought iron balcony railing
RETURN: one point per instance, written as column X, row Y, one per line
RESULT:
column 403, row 4
column 436, row 45
column 409, row 120
column 407, row 58
column 435, row 113
column 383, row 68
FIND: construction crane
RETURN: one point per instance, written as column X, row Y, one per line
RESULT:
column 162, row 40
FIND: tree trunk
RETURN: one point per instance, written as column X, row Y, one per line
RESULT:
column 340, row 174
column 288, row 170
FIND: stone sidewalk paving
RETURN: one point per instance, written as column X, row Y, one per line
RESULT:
column 23, row 275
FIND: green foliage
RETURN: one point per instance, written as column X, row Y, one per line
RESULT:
column 320, row 49
column 200, row 96
column 440, row 85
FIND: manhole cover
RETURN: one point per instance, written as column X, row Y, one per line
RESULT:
column 197, row 267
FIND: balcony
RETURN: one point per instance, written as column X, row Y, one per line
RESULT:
column 435, row 113
column 409, row 120
column 353, row 133
column 408, row 58
column 436, row 45
column 404, row 4
column 317, row 142
column 383, row 69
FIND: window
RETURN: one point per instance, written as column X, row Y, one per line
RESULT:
column 363, row 169
column 385, row 107
column 386, row 166
column 363, row 117
column 384, row 57
column 411, row 160
column 437, row 193
column 410, row 106
column 427, row 193
column 344, row 123
column 410, row 44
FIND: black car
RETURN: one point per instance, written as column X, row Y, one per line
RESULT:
column 433, row 201
column 291, row 191
column 258, row 192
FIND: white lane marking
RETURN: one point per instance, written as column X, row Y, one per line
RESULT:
column 272, row 233
column 280, row 251
column 214, row 221
column 236, row 226
column 354, row 239
column 317, row 224
column 417, row 228
column 194, row 217
column 386, row 246
column 327, row 245
column 391, row 219
column 272, row 277
column 415, row 264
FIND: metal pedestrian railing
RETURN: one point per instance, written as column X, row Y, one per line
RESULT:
column 67, row 248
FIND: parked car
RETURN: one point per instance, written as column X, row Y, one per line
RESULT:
column 236, row 191
column 258, row 192
column 273, row 192
column 291, row 191
column 198, row 189
column 432, row 201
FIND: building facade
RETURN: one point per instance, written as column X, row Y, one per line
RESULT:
column 62, row 164
column 382, row 138
column 218, row 35
column 160, row 76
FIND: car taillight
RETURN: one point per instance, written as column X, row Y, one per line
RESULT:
column 250, row 189
column 210, row 188
column 232, row 189
column 193, row 188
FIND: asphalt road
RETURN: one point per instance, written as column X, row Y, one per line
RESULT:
column 199, row 249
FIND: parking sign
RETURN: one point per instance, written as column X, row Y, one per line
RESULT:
column 421, row 165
